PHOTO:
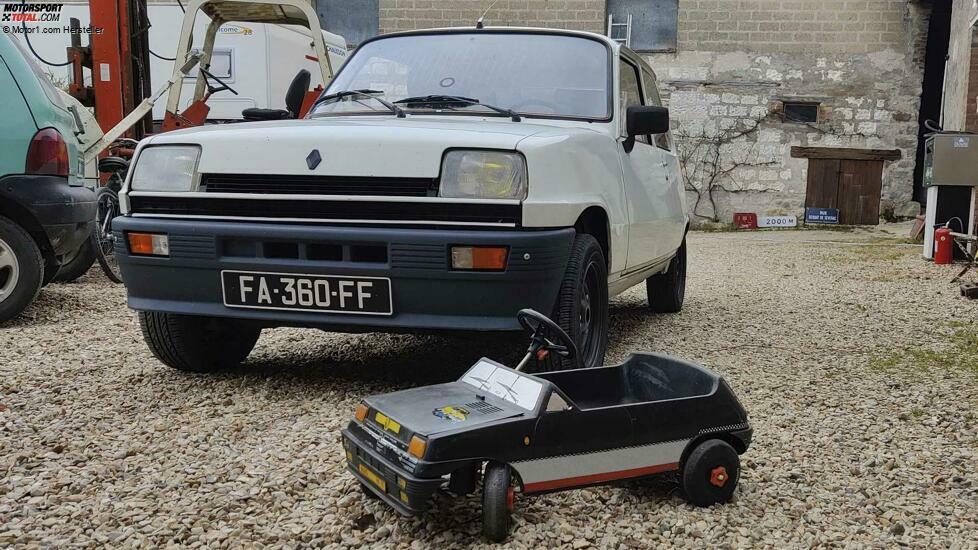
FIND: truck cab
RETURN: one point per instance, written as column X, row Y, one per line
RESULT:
column 444, row 180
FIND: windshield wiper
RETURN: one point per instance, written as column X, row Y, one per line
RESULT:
column 434, row 99
column 362, row 93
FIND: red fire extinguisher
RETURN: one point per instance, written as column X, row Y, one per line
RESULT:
column 943, row 246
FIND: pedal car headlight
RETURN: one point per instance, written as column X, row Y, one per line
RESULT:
column 166, row 168
column 417, row 446
column 361, row 412
column 483, row 175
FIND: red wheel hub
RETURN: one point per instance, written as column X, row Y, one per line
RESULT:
column 719, row 476
column 510, row 498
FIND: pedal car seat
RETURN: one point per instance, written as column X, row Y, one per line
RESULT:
column 293, row 101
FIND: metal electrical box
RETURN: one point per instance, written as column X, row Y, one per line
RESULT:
column 951, row 159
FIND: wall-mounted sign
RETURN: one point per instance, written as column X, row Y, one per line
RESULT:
column 777, row 221
column 822, row 215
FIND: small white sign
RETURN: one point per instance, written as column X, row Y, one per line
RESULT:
column 104, row 74
column 777, row 221
column 962, row 142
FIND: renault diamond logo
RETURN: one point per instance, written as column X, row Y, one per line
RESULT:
column 313, row 160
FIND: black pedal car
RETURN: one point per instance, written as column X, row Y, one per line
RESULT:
column 536, row 433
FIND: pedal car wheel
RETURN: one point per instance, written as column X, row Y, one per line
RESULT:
column 197, row 344
column 711, row 473
column 497, row 501
column 582, row 304
column 667, row 291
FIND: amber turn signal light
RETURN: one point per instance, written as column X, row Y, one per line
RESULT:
column 480, row 258
column 361, row 412
column 148, row 244
column 417, row 446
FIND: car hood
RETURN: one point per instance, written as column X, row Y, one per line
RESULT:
column 371, row 146
column 430, row 410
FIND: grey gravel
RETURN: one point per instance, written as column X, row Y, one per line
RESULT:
column 101, row 445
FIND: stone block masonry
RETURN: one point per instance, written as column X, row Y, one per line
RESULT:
column 739, row 60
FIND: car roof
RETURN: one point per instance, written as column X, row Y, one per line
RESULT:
column 501, row 29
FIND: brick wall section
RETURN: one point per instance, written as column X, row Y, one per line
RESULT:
column 971, row 116
column 400, row 15
column 958, row 65
column 786, row 26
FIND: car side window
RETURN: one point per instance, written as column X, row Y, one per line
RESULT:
column 557, row 403
column 631, row 91
column 652, row 98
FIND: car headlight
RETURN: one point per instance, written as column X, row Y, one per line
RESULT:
column 166, row 168
column 483, row 175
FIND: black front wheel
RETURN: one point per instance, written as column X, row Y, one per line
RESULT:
column 103, row 240
column 710, row 473
column 197, row 344
column 497, row 501
column 582, row 304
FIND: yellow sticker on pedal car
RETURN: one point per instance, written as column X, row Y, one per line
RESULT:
column 452, row 414
column 374, row 478
column 387, row 422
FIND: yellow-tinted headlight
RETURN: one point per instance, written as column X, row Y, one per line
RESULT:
column 483, row 175
column 417, row 446
column 361, row 412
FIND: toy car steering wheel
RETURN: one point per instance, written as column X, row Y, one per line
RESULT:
column 211, row 90
column 546, row 336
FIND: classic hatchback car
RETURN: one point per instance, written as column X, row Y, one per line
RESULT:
column 45, row 210
column 444, row 180
column 550, row 431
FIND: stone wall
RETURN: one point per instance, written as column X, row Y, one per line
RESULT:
column 398, row 15
column 956, row 94
column 738, row 60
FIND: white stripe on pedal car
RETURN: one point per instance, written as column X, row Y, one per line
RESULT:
column 582, row 469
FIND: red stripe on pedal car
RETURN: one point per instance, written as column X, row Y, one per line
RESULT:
column 599, row 478
column 312, row 58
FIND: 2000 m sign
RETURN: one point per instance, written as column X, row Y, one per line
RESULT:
column 319, row 293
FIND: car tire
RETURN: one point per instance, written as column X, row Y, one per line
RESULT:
column 582, row 304
column 710, row 473
column 197, row 344
column 497, row 501
column 21, row 269
column 79, row 265
column 667, row 291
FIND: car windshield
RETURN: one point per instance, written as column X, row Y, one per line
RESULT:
column 505, row 384
column 535, row 74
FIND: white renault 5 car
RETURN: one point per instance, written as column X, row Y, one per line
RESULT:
column 444, row 180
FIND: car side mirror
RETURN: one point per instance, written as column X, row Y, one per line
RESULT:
column 643, row 120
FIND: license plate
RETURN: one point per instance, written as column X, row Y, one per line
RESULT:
column 317, row 293
column 373, row 477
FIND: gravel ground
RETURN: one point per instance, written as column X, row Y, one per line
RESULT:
column 851, row 354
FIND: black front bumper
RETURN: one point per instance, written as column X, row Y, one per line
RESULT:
column 427, row 294
column 64, row 212
column 396, row 486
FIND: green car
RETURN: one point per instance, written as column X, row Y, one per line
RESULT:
column 46, row 212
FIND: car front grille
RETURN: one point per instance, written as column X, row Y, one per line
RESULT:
column 325, row 210
column 319, row 185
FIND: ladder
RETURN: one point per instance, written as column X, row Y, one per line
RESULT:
column 620, row 32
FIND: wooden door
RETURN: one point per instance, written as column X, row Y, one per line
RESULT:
column 860, row 186
column 852, row 186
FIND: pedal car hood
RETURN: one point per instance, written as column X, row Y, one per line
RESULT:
column 433, row 409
